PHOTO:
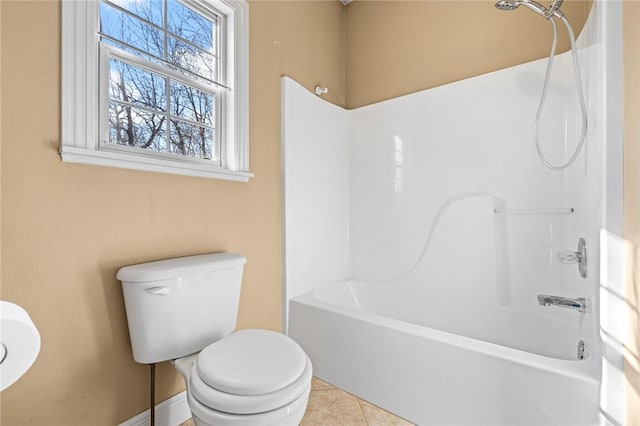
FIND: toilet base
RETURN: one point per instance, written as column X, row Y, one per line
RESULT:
column 289, row 415
column 294, row 419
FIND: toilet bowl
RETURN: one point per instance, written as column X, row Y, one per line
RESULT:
column 252, row 377
column 184, row 311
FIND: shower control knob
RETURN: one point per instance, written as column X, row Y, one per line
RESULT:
column 578, row 257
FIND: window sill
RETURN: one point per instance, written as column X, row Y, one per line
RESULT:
column 125, row 161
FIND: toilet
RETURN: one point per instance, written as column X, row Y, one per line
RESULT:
column 184, row 311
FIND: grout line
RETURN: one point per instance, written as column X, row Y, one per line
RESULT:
column 366, row 421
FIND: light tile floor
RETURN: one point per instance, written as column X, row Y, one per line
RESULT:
column 330, row 406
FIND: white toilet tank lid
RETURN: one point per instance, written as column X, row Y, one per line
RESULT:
column 180, row 267
column 251, row 362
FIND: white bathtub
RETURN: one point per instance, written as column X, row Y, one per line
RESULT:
column 412, row 352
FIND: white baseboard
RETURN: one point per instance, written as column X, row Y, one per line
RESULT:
column 170, row 412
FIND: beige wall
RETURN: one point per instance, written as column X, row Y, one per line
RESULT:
column 399, row 47
column 631, row 32
column 68, row 228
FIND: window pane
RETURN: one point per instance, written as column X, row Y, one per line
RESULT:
column 151, row 10
column 190, row 25
column 191, row 58
column 129, row 83
column 137, row 128
column 192, row 140
column 128, row 29
column 193, row 104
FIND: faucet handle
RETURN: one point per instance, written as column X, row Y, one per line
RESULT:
column 578, row 257
column 569, row 257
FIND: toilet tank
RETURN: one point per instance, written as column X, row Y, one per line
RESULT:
column 177, row 307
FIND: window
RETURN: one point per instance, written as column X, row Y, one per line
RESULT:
column 159, row 85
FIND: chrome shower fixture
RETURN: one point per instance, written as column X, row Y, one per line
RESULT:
column 513, row 5
column 505, row 5
column 554, row 9
column 578, row 257
column 579, row 303
column 555, row 5
column 320, row 90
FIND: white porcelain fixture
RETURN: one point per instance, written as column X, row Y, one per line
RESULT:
column 19, row 343
column 184, row 310
column 408, row 359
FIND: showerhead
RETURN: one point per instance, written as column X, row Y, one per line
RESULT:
column 506, row 5
column 530, row 4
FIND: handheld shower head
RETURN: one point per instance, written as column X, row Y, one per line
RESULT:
column 506, row 5
column 530, row 4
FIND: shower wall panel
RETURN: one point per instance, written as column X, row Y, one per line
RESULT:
column 315, row 165
column 363, row 187
column 411, row 155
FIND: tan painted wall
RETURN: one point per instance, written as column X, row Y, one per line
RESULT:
column 631, row 30
column 68, row 228
column 398, row 47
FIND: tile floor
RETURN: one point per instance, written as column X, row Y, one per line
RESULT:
column 330, row 406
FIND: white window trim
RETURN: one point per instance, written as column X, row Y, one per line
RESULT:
column 80, row 97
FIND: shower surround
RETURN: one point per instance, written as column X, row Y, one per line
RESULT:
column 420, row 231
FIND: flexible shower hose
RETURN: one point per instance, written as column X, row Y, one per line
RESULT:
column 583, row 108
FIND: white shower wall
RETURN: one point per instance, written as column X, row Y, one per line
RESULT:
column 412, row 154
column 363, row 187
column 315, row 158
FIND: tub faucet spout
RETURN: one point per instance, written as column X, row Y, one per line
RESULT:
column 579, row 304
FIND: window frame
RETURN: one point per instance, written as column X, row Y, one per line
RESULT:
column 82, row 126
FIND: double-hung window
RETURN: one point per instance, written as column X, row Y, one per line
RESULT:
column 158, row 85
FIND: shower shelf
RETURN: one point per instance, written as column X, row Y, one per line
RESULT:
column 540, row 211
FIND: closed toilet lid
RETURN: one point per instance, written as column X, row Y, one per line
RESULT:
column 251, row 362
column 212, row 399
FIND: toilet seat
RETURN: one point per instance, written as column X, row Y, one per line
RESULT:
column 251, row 362
column 248, row 404
column 250, row 375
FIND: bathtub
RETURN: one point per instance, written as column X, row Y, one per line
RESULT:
column 410, row 351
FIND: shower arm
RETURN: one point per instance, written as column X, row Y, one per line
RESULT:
column 553, row 11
